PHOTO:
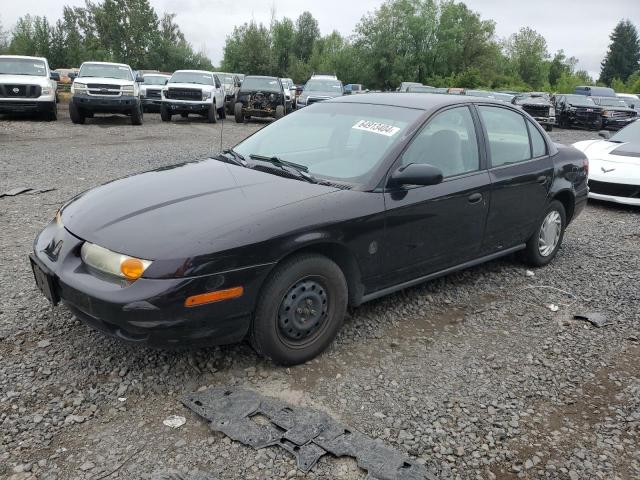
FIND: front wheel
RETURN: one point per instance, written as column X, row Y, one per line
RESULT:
column 237, row 110
column 300, row 310
column 76, row 114
column 544, row 244
column 52, row 114
column 165, row 116
column 548, row 127
column 137, row 115
column 280, row 111
column 211, row 114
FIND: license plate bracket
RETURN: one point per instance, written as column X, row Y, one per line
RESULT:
column 45, row 280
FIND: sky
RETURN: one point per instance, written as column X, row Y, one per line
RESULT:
column 580, row 27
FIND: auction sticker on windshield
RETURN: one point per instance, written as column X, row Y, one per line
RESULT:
column 376, row 127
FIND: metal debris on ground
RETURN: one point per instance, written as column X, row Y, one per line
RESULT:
column 594, row 318
column 28, row 190
column 307, row 434
column 174, row 421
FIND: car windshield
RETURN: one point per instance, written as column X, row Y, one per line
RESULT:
column 630, row 133
column 337, row 141
column 121, row 72
column 263, row 84
column 611, row 102
column 323, row 86
column 154, row 80
column 580, row 101
column 200, row 78
column 22, row 66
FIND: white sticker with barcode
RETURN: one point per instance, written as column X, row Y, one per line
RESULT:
column 376, row 127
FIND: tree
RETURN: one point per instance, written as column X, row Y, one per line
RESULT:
column 4, row 39
column 283, row 35
column 623, row 56
column 248, row 50
column 561, row 65
column 307, row 32
column 527, row 50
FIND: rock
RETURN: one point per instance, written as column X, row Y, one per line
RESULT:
column 87, row 466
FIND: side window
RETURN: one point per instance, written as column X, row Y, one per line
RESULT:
column 508, row 136
column 448, row 142
column 538, row 145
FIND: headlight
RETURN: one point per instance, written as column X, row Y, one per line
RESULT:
column 206, row 95
column 552, row 112
column 45, row 91
column 113, row 263
column 78, row 87
column 127, row 89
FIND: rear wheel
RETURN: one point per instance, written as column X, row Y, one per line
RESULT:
column 544, row 244
column 237, row 111
column 211, row 114
column 137, row 115
column 300, row 310
column 76, row 114
column 164, row 114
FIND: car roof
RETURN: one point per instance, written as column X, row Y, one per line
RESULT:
column 25, row 57
column 412, row 100
column 261, row 76
column 107, row 63
column 156, row 75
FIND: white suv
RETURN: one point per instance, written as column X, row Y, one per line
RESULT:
column 26, row 86
column 193, row 91
column 103, row 87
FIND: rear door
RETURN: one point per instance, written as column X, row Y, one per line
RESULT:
column 430, row 228
column 521, row 173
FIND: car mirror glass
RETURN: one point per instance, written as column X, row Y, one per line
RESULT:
column 416, row 174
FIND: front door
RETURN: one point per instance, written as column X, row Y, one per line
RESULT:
column 430, row 228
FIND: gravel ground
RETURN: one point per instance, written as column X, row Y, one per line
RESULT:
column 471, row 374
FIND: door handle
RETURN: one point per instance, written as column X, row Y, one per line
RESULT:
column 542, row 179
column 474, row 197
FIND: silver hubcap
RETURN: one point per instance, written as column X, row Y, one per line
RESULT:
column 549, row 233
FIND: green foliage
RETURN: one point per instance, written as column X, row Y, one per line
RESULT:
column 568, row 82
column 527, row 50
column 127, row 31
column 623, row 57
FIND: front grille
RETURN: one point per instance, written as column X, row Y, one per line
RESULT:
column 614, row 189
column 536, row 110
column 153, row 93
column 583, row 115
column 623, row 114
column 20, row 91
column 103, row 89
column 258, row 101
column 192, row 94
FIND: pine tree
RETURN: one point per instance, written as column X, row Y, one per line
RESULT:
column 623, row 57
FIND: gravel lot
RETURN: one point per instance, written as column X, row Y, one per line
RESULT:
column 471, row 374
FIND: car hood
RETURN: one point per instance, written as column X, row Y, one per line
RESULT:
column 628, row 152
column 321, row 94
column 185, row 210
column 198, row 86
column 104, row 81
column 24, row 79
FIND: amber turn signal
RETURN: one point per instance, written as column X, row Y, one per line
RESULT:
column 132, row 268
column 212, row 297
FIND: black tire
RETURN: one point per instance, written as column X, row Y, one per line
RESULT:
column 185, row 115
column 76, row 114
column 319, row 283
column 222, row 114
column 52, row 114
column 211, row 114
column 237, row 111
column 548, row 127
column 137, row 117
column 531, row 254
column 165, row 116
column 280, row 112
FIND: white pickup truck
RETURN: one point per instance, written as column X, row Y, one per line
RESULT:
column 193, row 91
column 103, row 87
column 26, row 86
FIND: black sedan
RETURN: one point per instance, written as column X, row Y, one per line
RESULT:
column 338, row 204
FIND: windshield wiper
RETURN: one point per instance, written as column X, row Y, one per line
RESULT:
column 300, row 170
column 234, row 157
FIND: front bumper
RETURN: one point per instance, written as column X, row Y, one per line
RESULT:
column 106, row 103
column 148, row 311
column 26, row 105
column 617, row 123
column 152, row 102
column 545, row 120
column 185, row 106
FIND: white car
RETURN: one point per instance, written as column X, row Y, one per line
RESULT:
column 289, row 92
column 614, row 165
column 105, row 87
column 150, row 90
column 193, row 91
column 26, row 86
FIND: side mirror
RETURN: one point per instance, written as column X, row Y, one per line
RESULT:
column 139, row 79
column 72, row 75
column 54, row 76
column 166, row 81
column 604, row 134
column 416, row 174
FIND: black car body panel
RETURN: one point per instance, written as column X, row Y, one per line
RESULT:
column 615, row 113
column 538, row 106
column 569, row 113
column 211, row 225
